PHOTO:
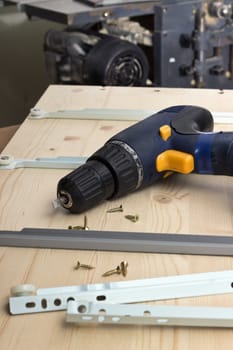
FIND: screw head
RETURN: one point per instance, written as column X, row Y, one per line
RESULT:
column 124, row 267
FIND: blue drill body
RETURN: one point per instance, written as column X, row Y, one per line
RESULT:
column 177, row 139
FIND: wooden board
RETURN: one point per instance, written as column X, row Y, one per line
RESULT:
column 180, row 204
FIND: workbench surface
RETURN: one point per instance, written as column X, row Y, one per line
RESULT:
column 180, row 204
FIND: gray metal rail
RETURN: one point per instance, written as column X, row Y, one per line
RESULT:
column 165, row 243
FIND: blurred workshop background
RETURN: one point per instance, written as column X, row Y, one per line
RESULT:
column 23, row 76
column 111, row 42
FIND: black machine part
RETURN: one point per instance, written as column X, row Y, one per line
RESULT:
column 94, row 59
column 116, row 62
column 193, row 52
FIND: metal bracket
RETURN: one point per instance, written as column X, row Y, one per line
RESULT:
column 188, row 316
column 92, row 113
column 113, row 114
column 8, row 162
column 51, row 299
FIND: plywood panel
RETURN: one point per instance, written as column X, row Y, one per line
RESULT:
column 179, row 204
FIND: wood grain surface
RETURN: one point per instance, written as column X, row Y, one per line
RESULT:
column 180, row 204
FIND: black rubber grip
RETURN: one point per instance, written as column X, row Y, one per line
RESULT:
column 192, row 120
column 122, row 166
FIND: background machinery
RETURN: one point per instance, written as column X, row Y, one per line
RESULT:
column 168, row 43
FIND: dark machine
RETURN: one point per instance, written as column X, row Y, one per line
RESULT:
column 178, row 43
column 178, row 139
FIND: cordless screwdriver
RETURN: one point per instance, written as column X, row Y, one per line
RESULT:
column 178, row 139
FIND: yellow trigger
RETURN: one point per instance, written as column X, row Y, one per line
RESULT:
column 172, row 160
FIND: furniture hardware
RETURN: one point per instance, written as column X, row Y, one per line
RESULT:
column 164, row 243
column 134, row 314
column 85, row 266
column 112, row 114
column 8, row 162
column 160, row 288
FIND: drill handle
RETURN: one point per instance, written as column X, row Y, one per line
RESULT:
column 193, row 120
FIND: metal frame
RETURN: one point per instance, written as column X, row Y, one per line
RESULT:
column 112, row 2
column 80, row 14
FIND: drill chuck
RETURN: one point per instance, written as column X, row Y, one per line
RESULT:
column 110, row 172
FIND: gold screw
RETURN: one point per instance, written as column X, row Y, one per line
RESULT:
column 85, row 223
column 85, row 266
column 75, row 227
column 122, row 268
column 112, row 272
column 85, row 227
column 133, row 218
column 114, row 210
